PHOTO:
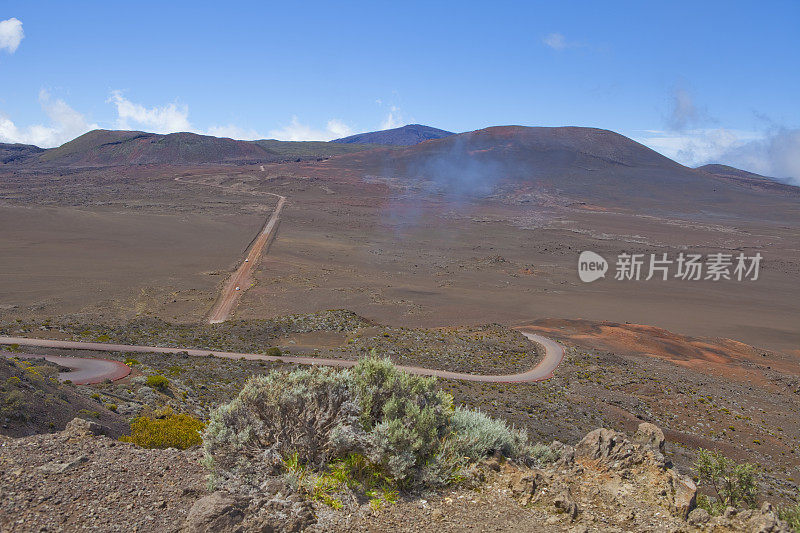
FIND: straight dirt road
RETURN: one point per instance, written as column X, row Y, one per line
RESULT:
column 554, row 354
column 241, row 279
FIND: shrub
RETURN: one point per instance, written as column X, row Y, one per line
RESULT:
column 13, row 403
column 733, row 484
column 130, row 361
column 172, row 431
column 478, row 435
column 540, row 455
column 308, row 412
column 791, row 513
column 274, row 352
column 406, row 415
column 370, row 428
column 156, row 381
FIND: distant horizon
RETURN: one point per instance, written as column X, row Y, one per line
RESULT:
column 789, row 181
column 680, row 79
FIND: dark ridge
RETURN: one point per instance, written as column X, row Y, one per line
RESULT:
column 748, row 179
column 109, row 148
column 405, row 136
column 17, row 152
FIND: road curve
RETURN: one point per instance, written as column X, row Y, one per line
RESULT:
column 554, row 354
column 82, row 370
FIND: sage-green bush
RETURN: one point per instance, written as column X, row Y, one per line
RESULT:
column 309, row 412
column 478, row 435
column 733, row 484
column 406, row 416
column 407, row 429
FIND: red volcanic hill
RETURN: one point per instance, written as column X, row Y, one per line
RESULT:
column 582, row 164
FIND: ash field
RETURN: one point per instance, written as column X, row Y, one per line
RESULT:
column 436, row 251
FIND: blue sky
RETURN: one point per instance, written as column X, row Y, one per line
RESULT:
column 697, row 81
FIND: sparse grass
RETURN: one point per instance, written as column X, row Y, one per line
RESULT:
column 791, row 513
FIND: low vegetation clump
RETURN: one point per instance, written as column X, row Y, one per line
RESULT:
column 157, row 382
column 18, row 380
column 791, row 513
column 372, row 429
column 733, row 484
column 166, row 430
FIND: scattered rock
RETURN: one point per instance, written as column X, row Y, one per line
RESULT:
column 684, row 493
column 650, row 435
column 564, row 503
column 58, row 467
column 79, row 427
column 698, row 517
column 606, row 445
column 767, row 521
column 218, row 512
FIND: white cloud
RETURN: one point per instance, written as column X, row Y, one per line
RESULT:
column 393, row 120
column 296, row 131
column 170, row 118
column 11, row 34
column 697, row 146
column 684, row 113
column 234, row 132
column 775, row 153
column 556, row 41
column 65, row 124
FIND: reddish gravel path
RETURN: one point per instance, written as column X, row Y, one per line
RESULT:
column 554, row 354
column 241, row 279
column 82, row 370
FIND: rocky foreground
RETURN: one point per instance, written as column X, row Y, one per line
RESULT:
column 79, row 479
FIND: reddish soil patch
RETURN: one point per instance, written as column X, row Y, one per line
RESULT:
column 708, row 355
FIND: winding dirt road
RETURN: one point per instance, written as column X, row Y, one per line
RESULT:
column 554, row 354
column 82, row 370
column 94, row 370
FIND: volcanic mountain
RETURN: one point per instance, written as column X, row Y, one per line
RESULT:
column 102, row 148
column 405, row 136
column 751, row 179
column 17, row 152
column 576, row 164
